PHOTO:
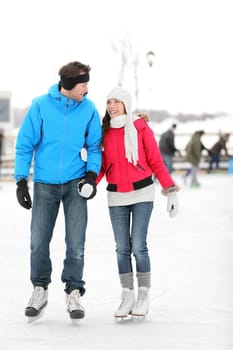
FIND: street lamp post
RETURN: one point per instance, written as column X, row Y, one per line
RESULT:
column 150, row 56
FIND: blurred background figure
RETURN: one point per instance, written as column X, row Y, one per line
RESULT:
column 144, row 116
column 1, row 148
column 215, row 151
column 193, row 150
column 167, row 147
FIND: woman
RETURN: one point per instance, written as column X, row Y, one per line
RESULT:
column 130, row 159
column 194, row 150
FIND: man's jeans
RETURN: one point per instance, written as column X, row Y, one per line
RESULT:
column 130, row 225
column 168, row 160
column 46, row 202
column 214, row 159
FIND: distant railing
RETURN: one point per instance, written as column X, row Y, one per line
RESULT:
column 7, row 162
column 180, row 163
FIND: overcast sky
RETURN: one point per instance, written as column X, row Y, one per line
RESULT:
column 191, row 39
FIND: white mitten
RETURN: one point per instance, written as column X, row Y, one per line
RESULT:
column 87, row 186
column 172, row 204
column 86, row 190
column 83, row 154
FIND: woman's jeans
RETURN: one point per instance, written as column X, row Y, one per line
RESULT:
column 130, row 225
column 46, row 202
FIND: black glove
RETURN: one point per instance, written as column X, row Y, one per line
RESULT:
column 23, row 195
column 87, row 186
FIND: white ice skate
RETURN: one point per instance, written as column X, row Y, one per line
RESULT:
column 38, row 301
column 74, row 307
column 141, row 307
column 127, row 303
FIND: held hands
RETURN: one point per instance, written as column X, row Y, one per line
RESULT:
column 172, row 204
column 23, row 195
column 87, row 186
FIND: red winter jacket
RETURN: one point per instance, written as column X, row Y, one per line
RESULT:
column 123, row 176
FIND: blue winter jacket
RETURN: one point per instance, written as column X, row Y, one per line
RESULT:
column 52, row 135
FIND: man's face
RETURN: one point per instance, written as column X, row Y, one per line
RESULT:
column 78, row 91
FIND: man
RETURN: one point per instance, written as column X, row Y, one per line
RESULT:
column 57, row 128
column 167, row 147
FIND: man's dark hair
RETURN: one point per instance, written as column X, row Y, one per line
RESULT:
column 73, row 69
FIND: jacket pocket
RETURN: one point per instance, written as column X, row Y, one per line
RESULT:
column 140, row 167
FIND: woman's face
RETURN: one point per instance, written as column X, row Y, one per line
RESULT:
column 115, row 107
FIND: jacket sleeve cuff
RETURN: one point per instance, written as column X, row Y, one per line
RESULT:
column 173, row 188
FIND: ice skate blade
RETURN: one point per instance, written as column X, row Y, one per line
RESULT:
column 139, row 317
column 32, row 319
column 75, row 321
column 123, row 319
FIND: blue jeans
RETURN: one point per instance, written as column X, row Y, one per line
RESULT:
column 168, row 160
column 215, row 158
column 130, row 224
column 46, row 203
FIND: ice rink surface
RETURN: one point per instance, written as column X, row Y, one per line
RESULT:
column 191, row 299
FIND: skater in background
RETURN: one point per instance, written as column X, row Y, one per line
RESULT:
column 215, row 151
column 131, row 158
column 194, row 150
column 167, row 147
column 1, row 148
column 54, row 132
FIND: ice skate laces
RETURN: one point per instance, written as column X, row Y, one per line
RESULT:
column 73, row 301
column 142, row 299
column 126, row 297
column 38, row 298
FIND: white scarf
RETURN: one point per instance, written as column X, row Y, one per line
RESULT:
column 130, row 136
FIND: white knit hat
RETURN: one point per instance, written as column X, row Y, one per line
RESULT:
column 130, row 134
column 123, row 95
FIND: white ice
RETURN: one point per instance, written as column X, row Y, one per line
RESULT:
column 191, row 304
